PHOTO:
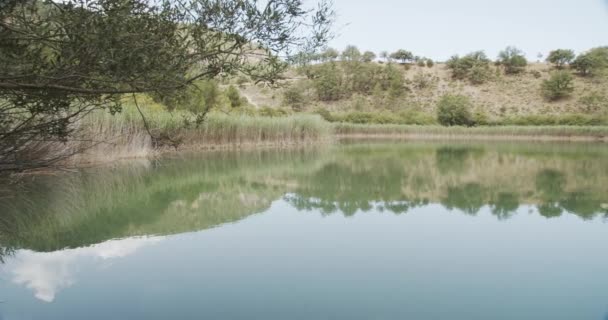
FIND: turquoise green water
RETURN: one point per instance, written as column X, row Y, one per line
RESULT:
column 384, row 230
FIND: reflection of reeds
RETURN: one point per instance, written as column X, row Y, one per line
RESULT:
column 165, row 197
column 187, row 194
column 555, row 133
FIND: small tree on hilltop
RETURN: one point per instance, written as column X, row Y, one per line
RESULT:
column 330, row 54
column 385, row 56
column 368, row 56
column 351, row 53
column 474, row 66
column 593, row 62
column 402, row 55
column 560, row 57
column 513, row 60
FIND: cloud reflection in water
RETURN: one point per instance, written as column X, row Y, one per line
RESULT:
column 47, row 273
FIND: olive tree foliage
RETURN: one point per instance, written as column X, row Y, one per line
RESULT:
column 560, row 57
column 61, row 60
column 512, row 60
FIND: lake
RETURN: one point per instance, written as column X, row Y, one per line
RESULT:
column 355, row 230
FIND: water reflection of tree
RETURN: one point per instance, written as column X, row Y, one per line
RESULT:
column 201, row 193
column 469, row 198
column 505, row 205
column 350, row 208
column 452, row 159
column 551, row 183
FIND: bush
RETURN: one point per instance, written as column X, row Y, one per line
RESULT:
column 479, row 74
column 272, row 112
column 393, row 82
column 325, row 114
column 234, row 97
column 593, row 62
column 293, row 97
column 561, row 57
column 368, row 56
column 480, row 118
column 202, row 96
column 430, row 63
column 327, row 82
column 454, row 110
column 423, row 80
column 559, row 86
column 416, row 117
column 474, row 66
column 513, row 60
column 368, row 117
column 553, row 120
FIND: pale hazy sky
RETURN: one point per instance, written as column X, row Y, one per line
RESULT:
column 441, row 28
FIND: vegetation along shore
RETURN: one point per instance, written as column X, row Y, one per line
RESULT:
column 101, row 108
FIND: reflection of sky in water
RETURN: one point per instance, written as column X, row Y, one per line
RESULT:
column 289, row 263
column 47, row 273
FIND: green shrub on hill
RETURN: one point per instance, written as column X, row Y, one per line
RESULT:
column 325, row 114
column 593, row 62
column 454, row 110
column 553, row 120
column 327, row 81
column 512, row 60
column 474, row 67
column 201, row 96
column 558, row 86
column 561, row 57
column 272, row 112
column 234, row 97
column 368, row 56
column 294, row 97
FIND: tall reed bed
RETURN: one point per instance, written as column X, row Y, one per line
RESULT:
column 124, row 135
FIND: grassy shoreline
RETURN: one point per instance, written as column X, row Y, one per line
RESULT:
column 105, row 138
column 531, row 133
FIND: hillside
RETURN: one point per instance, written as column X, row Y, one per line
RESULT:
column 501, row 96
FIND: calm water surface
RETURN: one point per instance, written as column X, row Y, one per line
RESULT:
column 385, row 230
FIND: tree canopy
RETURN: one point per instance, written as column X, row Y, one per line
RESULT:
column 60, row 60
column 560, row 57
column 402, row 55
column 513, row 60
